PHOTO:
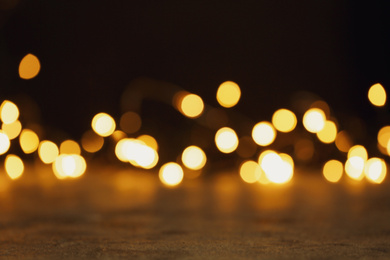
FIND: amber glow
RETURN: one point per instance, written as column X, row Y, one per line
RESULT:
column 13, row 166
column 377, row 95
column 4, row 143
column 384, row 136
column 103, row 124
column 12, row 130
column 29, row 66
column 92, row 142
column 149, row 141
column 250, row 171
column 278, row 168
column 284, row 120
column 48, row 151
column 328, row 134
column 228, row 94
column 333, row 170
column 354, row 167
column 314, row 120
column 191, row 105
column 193, row 158
column 171, row 174
column 130, row 122
column 358, row 150
column 69, row 166
column 343, row 141
column 70, row 147
column 29, row 141
column 9, row 112
column 226, row 140
column 375, row 170
column 137, row 153
column 263, row 133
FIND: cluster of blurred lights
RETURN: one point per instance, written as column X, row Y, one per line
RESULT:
column 270, row 166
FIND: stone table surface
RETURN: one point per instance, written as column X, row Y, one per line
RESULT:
column 112, row 213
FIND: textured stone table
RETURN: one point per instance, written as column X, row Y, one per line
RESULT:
column 121, row 213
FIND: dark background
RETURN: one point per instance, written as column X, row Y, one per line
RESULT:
column 91, row 50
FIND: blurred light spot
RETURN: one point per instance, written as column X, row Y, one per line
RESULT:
column 29, row 141
column 354, row 167
column 277, row 169
column 13, row 166
column 48, row 151
column 228, row 94
column 333, row 170
column 226, row 140
column 328, row 134
column 377, row 95
column 130, row 122
column 12, row 130
column 149, row 141
column 343, row 141
column 358, row 150
column 171, row 174
column 9, row 112
column 314, row 120
column 246, row 147
column 250, row 171
column 92, row 142
column 323, row 106
column 284, row 120
column 69, row 166
column 191, row 106
column 4, row 143
column 118, row 135
column 193, row 158
column 384, row 136
column 304, row 150
column 70, row 147
column 29, row 66
column 120, row 149
column 137, row 153
column 375, row 170
column 103, row 124
column 263, row 133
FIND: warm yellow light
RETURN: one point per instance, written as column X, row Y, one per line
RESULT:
column 4, row 143
column 12, row 130
column 354, row 167
column 263, row 133
column 29, row 141
column 384, row 136
column 375, row 170
column 69, row 166
column 333, row 170
column 191, row 106
column 278, row 169
column 193, row 158
column 343, row 141
column 120, row 149
column 149, row 141
column 29, row 66
column 103, row 124
column 358, row 150
column 171, row 174
column 228, row 94
column 70, row 147
column 250, row 171
column 137, row 153
column 226, row 140
column 130, row 122
column 48, row 151
column 284, row 120
column 328, row 134
column 314, row 120
column 118, row 135
column 377, row 95
column 92, row 142
column 13, row 166
column 9, row 112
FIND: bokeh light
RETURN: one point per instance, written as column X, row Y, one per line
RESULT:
column 328, row 134
column 137, row 153
column 171, row 174
column 228, row 94
column 29, row 66
column 70, row 147
column 384, row 136
column 314, row 120
column 91, row 142
column 130, row 122
column 284, row 120
column 191, row 106
column 358, row 150
column 103, row 124
column 278, row 169
column 263, row 133
column 29, row 141
column 69, row 166
column 226, row 140
column 193, row 157
column 250, row 171
column 14, row 166
column 9, row 112
column 149, row 141
column 354, row 167
column 343, row 141
column 48, row 151
column 333, row 170
column 375, row 170
column 12, row 130
column 4, row 143
column 377, row 95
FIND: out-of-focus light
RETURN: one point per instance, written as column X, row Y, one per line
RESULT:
column 193, row 158
column 226, row 140
column 69, row 166
column 9, row 112
column 228, row 94
column 278, row 169
column 314, row 120
column 333, row 170
column 304, row 149
column 120, row 149
column 48, row 151
column 4, row 143
column 191, row 106
column 384, row 136
column 29, row 141
column 171, row 174
column 29, row 67
column 130, row 122
column 13, row 166
column 284, row 120
column 70, row 147
column 321, row 105
column 250, row 171
column 149, row 141
column 263, row 133
column 91, row 142
column 343, row 141
column 377, row 95
column 375, row 170
column 118, row 135
column 103, row 124
column 328, row 134
column 358, row 150
column 246, row 147
column 12, row 130
column 354, row 167
column 137, row 153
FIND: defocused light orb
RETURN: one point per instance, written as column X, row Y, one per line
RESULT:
column 29, row 141
column 377, row 95
column 375, row 170
column 333, row 170
column 328, row 134
column 277, row 170
column 118, row 135
column 314, row 120
column 284, row 120
column 263, row 133
column 149, row 141
column 130, row 122
column 70, row 147
column 171, row 174
column 91, row 142
column 29, row 66
column 226, row 140
column 384, row 136
column 228, row 94
column 4, row 143
column 48, row 151
column 12, row 130
column 358, row 150
column 13, row 166
column 193, row 158
column 9, row 112
column 136, row 152
column 343, row 141
column 69, row 166
column 354, row 167
column 192, row 106
column 120, row 149
column 103, row 124
column 250, row 171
